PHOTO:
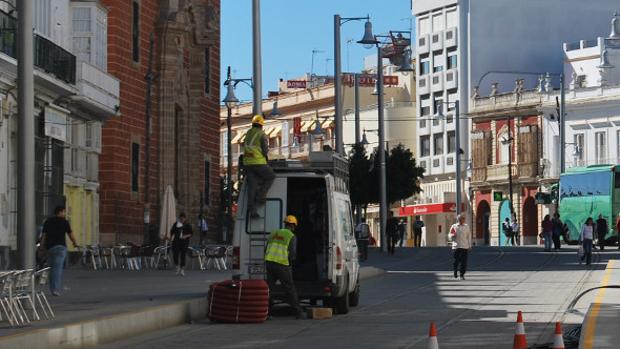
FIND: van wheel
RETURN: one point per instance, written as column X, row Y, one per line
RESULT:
column 354, row 297
column 342, row 303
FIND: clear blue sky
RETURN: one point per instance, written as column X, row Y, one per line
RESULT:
column 291, row 29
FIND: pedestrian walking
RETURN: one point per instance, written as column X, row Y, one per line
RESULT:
column 507, row 230
column 402, row 228
column 279, row 256
column 417, row 231
column 585, row 240
column 601, row 231
column 547, row 232
column 259, row 174
column 55, row 230
column 180, row 233
column 557, row 229
column 391, row 232
column 362, row 236
column 515, row 233
column 460, row 236
column 203, row 228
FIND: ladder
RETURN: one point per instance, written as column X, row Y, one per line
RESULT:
column 257, row 246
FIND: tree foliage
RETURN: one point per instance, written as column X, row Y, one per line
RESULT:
column 402, row 173
column 360, row 167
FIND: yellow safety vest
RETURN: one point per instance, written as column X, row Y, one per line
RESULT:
column 277, row 246
column 252, row 151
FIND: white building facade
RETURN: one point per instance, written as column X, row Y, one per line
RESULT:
column 459, row 42
column 73, row 96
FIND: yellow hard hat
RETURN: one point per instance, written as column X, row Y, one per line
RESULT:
column 290, row 219
column 258, row 119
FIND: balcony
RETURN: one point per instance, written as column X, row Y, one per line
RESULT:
column 102, row 90
column 423, row 45
column 479, row 174
column 529, row 170
column 437, row 41
column 49, row 57
column 424, row 84
column 54, row 59
column 437, row 82
column 450, row 37
column 452, row 79
column 500, row 172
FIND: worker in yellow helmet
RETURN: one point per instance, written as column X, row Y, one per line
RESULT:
column 279, row 255
column 259, row 175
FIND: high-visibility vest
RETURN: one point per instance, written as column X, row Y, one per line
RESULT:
column 252, row 151
column 277, row 246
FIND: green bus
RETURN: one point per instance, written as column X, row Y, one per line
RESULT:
column 587, row 192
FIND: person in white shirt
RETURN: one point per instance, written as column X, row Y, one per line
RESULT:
column 460, row 235
column 515, row 233
column 585, row 239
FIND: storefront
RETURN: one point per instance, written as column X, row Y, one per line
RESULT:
column 437, row 220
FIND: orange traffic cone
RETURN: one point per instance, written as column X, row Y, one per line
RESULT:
column 558, row 341
column 432, row 337
column 520, row 342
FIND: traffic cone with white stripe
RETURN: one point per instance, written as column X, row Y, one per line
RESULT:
column 520, row 342
column 558, row 341
column 432, row 337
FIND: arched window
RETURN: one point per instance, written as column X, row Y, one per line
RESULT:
column 503, row 146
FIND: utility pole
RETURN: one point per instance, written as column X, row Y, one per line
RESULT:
column 457, row 131
column 562, row 125
column 25, row 137
column 257, row 76
column 358, row 208
column 337, row 86
column 383, row 204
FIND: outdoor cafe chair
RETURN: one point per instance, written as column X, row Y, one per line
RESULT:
column 162, row 255
column 41, row 278
column 6, row 298
column 21, row 282
column 216, row 257
column 24, row 291
column 197, row 252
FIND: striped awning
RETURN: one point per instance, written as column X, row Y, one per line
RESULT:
column 239, row 137
column 307, row 126
column 327, row 124
column 275, row 132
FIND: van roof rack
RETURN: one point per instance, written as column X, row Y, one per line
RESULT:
column 327, row 161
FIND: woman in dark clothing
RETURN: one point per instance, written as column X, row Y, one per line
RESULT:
column 547, row 232
column 180, row 233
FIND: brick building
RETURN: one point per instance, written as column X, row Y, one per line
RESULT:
column 178, row 145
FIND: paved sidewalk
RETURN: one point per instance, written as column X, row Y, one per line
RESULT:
column 95, row 294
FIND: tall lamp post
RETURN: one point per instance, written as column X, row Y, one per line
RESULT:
column 230, row 101
column 369, row 41
column 383, row 200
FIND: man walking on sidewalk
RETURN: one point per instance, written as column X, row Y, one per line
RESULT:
column 461, row 243
column 53, row 238
column 180, row 233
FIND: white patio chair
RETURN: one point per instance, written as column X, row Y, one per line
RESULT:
column 23, row 291
column 41, row 278
column 6, row 302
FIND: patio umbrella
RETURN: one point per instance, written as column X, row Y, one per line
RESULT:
column 168, row 213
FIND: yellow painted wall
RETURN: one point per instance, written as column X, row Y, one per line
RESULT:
column 81, row 213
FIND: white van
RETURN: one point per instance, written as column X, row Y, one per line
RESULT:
column 326, row 267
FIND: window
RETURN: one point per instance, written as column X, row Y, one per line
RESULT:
column 578, row 139
column 581, row 82
column 451, row 142
column 438, row 63
column 425, row 110
column 438, row 22
column 423, row 123
column 425, row 67
column 435, row 38
column 90, row 35
column 452, row 61
column 425, row 106
column 438, row 103
column 207, row 178
column 504, row 147
column 449, row 35
column 421, row 41
column 135, row 166
column 438, row 144
column 601, row 147
column 135, row 32
column 43, row 17
column 425, row 25
column 425, row 146
column 207, row 70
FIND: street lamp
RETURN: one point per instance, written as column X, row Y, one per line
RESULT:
column 457, row 129
column 231, row 101
column 368, row 40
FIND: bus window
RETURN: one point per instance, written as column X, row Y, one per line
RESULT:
column 585, row 184
column 617, row 180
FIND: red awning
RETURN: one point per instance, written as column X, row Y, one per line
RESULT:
column 422, row 209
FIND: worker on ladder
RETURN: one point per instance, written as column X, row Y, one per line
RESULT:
column 279, row 254
column 259, row 174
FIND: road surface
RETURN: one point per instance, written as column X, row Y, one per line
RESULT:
column 418, row 287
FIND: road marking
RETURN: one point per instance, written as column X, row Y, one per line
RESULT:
column 596, row 309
